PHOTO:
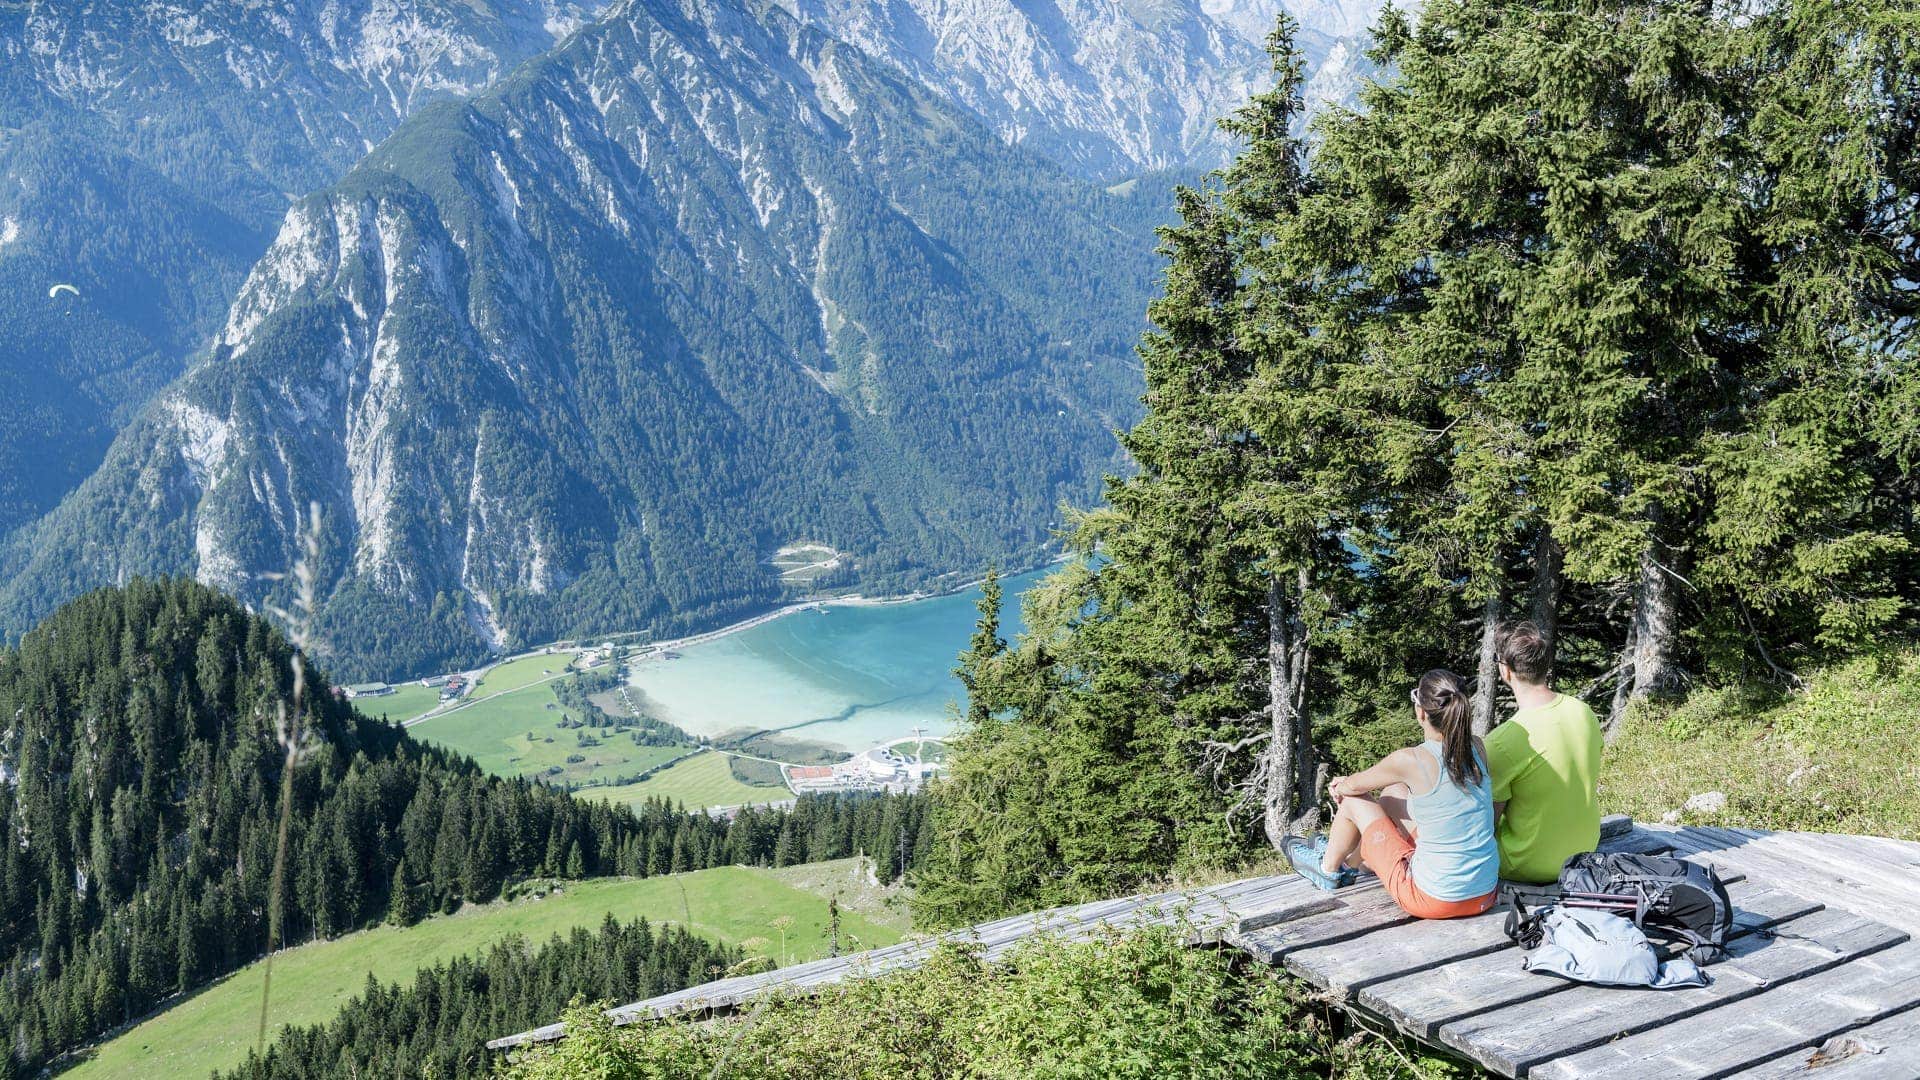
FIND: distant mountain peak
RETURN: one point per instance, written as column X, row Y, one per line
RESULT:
column 1109, row 88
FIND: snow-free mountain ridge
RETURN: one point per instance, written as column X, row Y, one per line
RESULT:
column 579, row 353
column 1108, row 88
column 148, row 150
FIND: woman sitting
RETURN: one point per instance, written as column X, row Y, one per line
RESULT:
column 1429, row 833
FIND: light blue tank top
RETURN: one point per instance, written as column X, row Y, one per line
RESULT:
column 1455, row 856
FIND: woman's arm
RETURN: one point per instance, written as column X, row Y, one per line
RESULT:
column 1386, row 772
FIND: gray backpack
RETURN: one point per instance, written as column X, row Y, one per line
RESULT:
column 1594, row 946
column 1676, row 901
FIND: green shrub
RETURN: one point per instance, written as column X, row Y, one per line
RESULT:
column 1122, row 1005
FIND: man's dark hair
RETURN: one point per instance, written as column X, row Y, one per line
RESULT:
column 1525, row 650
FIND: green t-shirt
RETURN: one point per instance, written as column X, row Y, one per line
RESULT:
column 1546, row 767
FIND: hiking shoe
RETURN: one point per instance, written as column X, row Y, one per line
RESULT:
column 1305, row 855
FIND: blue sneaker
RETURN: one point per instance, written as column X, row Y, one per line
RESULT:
column 1305, row 855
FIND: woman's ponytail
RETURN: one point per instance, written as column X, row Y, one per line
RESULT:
column 1443, row 695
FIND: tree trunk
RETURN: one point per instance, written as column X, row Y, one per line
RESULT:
column 1647, row 667
column 1546, row 589
column 1486, row 679
column 1291, row 799
column 1623, row 689
column 1653, row 618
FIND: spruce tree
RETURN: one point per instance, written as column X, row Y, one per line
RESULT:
column 1600, row 311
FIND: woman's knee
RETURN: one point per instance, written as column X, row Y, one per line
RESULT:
column 1361, row 810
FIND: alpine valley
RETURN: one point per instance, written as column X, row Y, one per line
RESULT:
column 580, row 344
column 582, row 351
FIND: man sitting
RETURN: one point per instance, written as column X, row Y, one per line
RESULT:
column 1545, row 762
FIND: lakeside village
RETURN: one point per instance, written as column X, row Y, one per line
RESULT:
column 898, row 766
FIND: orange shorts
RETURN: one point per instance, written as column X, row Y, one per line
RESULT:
column 1388, row 852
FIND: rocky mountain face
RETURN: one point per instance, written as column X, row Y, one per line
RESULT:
column 147, row 150
column 261, row 100
column 582, row 350
column 1109, row 88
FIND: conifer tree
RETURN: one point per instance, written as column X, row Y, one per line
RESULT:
column 1600, row 311
column 982, row 649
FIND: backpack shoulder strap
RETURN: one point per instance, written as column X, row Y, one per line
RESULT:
column 1523, row 928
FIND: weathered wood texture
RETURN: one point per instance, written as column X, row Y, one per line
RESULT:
column 1821, row 978
column 1883, row 1050
column 1421, row 1002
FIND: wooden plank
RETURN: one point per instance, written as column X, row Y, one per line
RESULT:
column 1210, row 909
column 995, row 938
column 1398, row 950
column 1297, row 905
column 1359, row 913
column 1868, row 875
column 1861, row 862
column 1747, row 1032
column 1884, row 1050
column 1615, row 825
column 1377, row 913
column 1277, row 894
column 1415, row 946
column 1872, row 863
column 1514, row 1038
column 1420, row 1003
column 1637, row 842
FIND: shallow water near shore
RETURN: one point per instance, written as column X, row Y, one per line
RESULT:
column 850, row 676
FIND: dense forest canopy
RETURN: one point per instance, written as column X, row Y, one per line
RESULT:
column 140, row 791
column 1597, row 312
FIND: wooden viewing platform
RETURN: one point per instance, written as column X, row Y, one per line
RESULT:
column 1821, row 977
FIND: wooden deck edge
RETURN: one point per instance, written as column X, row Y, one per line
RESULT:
column 1235, row 914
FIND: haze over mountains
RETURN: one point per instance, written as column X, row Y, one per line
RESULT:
column 1107, row 88
column 580, row 350
column 148, row 150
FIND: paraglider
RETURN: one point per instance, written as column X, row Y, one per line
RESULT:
column 55, row 291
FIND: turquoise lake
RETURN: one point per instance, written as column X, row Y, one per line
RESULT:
column 852, row 676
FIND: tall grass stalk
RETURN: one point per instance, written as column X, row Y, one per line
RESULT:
column 290, row 729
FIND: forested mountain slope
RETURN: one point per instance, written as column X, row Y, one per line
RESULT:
column 148, row 147
column 140, row 780
column 581, row 352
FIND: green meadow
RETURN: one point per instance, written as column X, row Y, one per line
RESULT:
column 407, row 701
column 512, row 727
column 698, row 782
column 515, row 674
column 215, row 1028
column 518, row 734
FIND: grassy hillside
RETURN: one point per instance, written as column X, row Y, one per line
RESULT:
column 519, row 733
column 525, row 671
column 736, row 905
column 1835, row 756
